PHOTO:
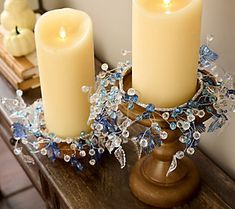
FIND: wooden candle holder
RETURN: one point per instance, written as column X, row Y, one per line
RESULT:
column 148, row 179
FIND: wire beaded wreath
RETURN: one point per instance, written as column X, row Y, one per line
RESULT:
column 110, row 127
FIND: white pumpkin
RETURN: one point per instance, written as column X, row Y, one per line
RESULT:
column 19, row 42
column 17, row 12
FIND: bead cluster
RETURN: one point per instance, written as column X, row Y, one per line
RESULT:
column 110, row 127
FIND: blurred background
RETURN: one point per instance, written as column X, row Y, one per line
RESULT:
column 112, row 33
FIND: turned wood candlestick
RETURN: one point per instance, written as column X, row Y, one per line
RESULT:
column 148, row 179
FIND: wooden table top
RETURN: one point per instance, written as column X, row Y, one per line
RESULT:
column 105, row 186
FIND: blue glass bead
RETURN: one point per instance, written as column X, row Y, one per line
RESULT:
column 231, row 91
column 174, row 114
column 139, row 118
column 212, row 99
column 178, row 110
column 146, row 115
column 131, row 106
column 117, row 76
column 209, row 109
column 173, row 126
column 150, row 108
column 134, row 98
column 126, row 97
column 19, row 131
column 75, row 163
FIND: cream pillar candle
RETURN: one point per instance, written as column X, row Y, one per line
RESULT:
column 166, row 40
column 64, row 43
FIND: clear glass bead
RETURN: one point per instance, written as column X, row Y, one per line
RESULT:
column 125, row 134
column 73, row 146
column 131, row 92
column 143, row 142
column 69, row 140
column 163, row 135
column 104, row 67
column 19, row 93
column 156, row 126
column 17, row 151
column 190, row 151
column 91, row 152
column 201, row 113
column 82, row 153
column 180, row 155
column 209, row 38
column 92, row 162
column 99, row 127
column 67, row 158
column 186, row 126
column 191, row 118
column 101, row 150
column 85, row 89
column 44, row 151
column 36, row 145
column 24, row 141
column 166, row 115
column 183, row 139
column 196, row 135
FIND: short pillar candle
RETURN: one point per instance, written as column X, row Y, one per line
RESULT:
column 64, row 42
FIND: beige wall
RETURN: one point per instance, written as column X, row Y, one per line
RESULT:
column 112, row 28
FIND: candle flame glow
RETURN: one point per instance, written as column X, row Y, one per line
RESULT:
column 167, row 2
column 62, row 33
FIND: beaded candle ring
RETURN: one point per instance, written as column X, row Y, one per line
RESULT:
column 110, row 127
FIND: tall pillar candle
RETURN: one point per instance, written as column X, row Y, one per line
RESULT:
column 166, row 40
column 64, row 42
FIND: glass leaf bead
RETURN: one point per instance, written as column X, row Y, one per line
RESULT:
column 67, row 158
column 191, row 118
column 85, row 89
column 104, row 67
column 143, row 142
column 82, row 153
column 91, row 152
column 131, row 92
column 166, row 115
column 190, row 151
column 43, row 151
column 196, row 135
column 163, row 135
column 92, row 162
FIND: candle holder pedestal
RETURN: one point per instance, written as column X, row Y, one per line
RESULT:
column 149, row 180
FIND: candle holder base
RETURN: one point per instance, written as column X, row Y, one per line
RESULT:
column 167, row 193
